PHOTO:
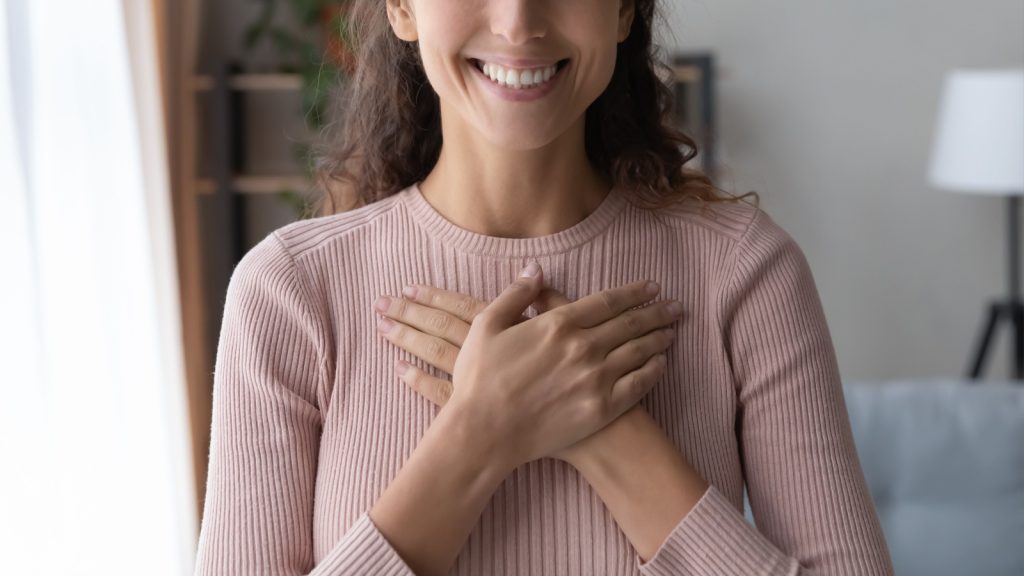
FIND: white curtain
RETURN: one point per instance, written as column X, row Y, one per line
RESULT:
column 95, row 470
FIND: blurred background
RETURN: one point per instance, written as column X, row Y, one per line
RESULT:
column 145, row 145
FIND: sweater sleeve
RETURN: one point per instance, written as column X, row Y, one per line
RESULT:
column 807, row 491
column 271, row 363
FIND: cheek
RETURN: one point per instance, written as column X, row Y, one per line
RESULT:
column 442, row 67
column 444, row 31
column 593, row 75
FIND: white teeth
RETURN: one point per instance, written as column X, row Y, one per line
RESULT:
column 517, row 78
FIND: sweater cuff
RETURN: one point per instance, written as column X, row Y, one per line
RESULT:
column 364, row 551
column 715, row 538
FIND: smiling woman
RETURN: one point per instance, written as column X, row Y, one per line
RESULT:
column 677, row 352
column 387, row 129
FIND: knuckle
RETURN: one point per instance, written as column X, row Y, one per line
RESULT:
column 595, row 408
column 632, row 323
column 464, row 307
column 412, row 378
column 429, row 297
column 401, row 307
column 599, row 377
column 634, row 384
column 439, row 322
column 634, row 350
column 580, row 346
column 609, row 300
column 442, row 392
column 397, row 333
column 560, row 321
column 435, row 350
column 631, row 385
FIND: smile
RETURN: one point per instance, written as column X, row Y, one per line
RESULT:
column 520, row 78
column 519, row 84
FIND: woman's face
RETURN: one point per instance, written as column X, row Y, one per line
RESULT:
column 508, row 37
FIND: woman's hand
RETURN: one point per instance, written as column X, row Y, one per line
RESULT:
column 434, row 324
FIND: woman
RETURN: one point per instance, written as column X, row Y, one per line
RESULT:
column 584, row 429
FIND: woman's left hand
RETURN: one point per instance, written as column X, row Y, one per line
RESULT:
column 432, row 324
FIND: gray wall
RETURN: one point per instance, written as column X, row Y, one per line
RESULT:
column 827, row 110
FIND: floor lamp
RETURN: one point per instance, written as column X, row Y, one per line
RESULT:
column 979, row 149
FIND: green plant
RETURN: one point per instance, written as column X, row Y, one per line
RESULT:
column 318, row 58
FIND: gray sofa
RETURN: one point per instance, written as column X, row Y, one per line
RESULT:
column 944, row 461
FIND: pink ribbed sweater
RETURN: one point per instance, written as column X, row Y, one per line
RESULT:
column 311, row 423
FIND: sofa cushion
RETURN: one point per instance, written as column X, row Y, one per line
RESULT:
column 944, row 461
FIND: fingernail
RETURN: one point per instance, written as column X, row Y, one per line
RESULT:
column 409, row 292
column 531, row 270
column 652, row 288
column 382, row 303
column 401, row 368
column 385, row 325
column 675, row 308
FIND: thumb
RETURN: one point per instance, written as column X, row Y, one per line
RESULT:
column 508, row 307
column 550, row 299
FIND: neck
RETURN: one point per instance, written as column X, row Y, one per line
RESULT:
column 514, row 193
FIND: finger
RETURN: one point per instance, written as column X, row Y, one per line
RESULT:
column 509, row 306
column 434, row 322
column 462, row 306
column 435, row 351
column 550, row 299
column 630, row 388
column 634, row 353
column 602, row 306
column 633, row 324
column 437, row 390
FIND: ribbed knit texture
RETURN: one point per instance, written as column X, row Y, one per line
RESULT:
column 311, row 423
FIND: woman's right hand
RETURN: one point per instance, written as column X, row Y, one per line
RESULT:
column 531, row 388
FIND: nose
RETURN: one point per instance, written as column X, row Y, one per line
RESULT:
column 518, row 20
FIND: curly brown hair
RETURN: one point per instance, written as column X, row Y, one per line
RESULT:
column 384, row 129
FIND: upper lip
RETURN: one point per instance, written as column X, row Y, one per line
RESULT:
column 519, row 62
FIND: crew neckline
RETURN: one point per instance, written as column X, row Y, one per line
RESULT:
column 455, row 236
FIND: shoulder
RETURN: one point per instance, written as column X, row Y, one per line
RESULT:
column 766, row 257
column 275, row 263
column 753, row 238
column 745, row 227
column 304, row 236
column 740, row 221
column 726, row 219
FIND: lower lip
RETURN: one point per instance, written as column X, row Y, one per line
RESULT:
column 520, row 94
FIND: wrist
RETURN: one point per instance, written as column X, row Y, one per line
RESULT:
column 487, row 455
column 594, row 449
column 643, row 479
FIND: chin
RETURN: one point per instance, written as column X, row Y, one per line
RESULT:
column 519, row 142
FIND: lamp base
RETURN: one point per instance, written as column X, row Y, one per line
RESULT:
column 1012, row 309
column 1013, row 312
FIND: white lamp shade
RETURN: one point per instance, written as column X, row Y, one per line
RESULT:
column 979, row 143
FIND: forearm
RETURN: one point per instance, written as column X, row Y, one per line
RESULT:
column 430, row 508
column 642, row 478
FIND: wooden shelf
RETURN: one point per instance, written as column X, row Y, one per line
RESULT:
column 257, row 185
column 251, row 82
column 686, row 74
